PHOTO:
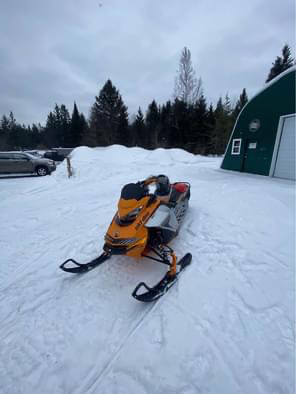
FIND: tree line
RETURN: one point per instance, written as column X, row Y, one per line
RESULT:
column 187, row 121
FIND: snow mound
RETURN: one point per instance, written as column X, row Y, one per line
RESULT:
column 93, row 162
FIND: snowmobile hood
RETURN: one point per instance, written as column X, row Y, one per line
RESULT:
column 127, row 233
column 126, row 207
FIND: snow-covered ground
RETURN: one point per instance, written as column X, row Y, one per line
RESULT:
column 226, row 327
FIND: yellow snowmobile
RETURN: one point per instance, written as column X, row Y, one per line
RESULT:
column 145, row 222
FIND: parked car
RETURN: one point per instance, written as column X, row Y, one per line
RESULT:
column 54, row 155
column 33, row 152
column 21, row 162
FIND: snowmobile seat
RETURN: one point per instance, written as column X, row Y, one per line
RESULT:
column 177, row 190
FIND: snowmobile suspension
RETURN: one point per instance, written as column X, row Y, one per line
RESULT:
column 163, row 254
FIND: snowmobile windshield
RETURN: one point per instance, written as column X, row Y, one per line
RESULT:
column 133, row 191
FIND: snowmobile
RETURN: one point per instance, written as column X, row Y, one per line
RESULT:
column 145, row 223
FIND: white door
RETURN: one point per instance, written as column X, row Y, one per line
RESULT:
column 285, row 161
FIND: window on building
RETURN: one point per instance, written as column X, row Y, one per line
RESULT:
column 236, row 146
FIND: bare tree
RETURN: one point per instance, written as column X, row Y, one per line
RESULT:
column 187, row 87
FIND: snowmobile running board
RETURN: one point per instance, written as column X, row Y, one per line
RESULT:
column 81, row 268
column 154, row 293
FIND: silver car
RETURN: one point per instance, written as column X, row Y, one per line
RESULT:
column 21, row 162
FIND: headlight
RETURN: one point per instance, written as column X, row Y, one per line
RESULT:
column 129, row 218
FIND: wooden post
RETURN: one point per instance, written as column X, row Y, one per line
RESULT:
column 69, row 168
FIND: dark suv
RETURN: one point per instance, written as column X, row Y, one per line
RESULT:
column 21, row 162
column 54, row 155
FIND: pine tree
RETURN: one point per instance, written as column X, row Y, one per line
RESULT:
column 153, row 125
column 242, row 101
column 59, row 138
column 77, row 127
column 50, row 137
column 108, row 116
column 4, row 133
column 83, row 127
column 65, row 137
column 288, row 60
column 13, row 135
column 223, row 124
column 203, row 140
column 187, row 87
column 166, row 124
column 37, row 136
column 281, row 63
column 211, row 123
column 122, row 134
column 180, row 135
column 139, row 130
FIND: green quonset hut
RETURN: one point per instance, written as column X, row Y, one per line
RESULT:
column 263, row 138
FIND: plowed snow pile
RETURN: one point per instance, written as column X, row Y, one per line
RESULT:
column 226, row 327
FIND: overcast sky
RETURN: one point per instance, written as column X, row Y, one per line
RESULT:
column 59, row 51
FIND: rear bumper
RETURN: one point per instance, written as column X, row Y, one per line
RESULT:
column 52, row 168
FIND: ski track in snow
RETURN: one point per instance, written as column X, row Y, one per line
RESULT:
column 94, row 378
column 228, row 324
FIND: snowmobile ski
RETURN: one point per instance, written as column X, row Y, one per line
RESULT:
column 82, row 268
column 154, row 293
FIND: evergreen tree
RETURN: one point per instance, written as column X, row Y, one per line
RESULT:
column 122, row 134
column 83, row 127
column 166, row 124
column 139, row 130
column 50, row 137
column 223, row 125
column 288, row 60
column 242, row 101
column 58, row 128
column 108, row 116
column 152, row 124
column 59, row 138
column 180, row 135
column 281, row 63
column 77, row 127
column 4, row 133
column 200, row 134
column 211, row 123
column 14, row 132
column 37, row 136
column 64, row 127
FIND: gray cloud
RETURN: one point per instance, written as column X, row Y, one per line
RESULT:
column 64, row 51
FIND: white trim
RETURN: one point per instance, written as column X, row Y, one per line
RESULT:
column 236, row 146
column 277, row 142
column 275, row 79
